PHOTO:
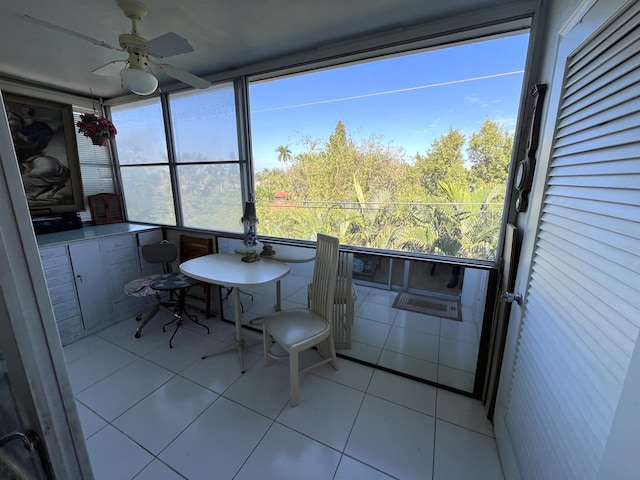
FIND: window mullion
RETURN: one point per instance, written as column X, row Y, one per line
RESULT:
column 171, row 156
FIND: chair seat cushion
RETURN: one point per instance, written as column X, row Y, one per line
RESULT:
column 294, row 326
column 140, row 286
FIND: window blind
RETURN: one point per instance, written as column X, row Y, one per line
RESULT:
column 95, row 166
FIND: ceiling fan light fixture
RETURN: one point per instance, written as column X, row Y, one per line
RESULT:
column 139, row 81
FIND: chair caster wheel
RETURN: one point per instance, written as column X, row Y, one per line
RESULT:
column 138, row 317
column 138, row 333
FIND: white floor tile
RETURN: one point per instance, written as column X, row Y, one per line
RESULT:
column 286, row 455
column 326, row 412
column 363, row 352
column 119, row 330
column 462, row 331
column 413, row 343
column 90, row 421
column 157, row 470
column 463, row 454
column 220, row 440
column 187, row 348
column 350, row 469
column 456, row 354
column 404, row 391
column 115, row 456
column 152, row 337
column 417, row 321
column 91, row 369
column 211, row 418
column 82, row 347
column 349, row 373
column 463, row 411
column 158, row 419
column 263, row 389
column 454, row 378
column 393, row 439
column 370, row 332
column 382, row 297
column 299, row 296
column 377, row 312
column 112, row 396
column 218, row 372
column 410, row 365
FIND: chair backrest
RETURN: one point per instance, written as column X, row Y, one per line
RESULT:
column 163, row 252
column 194, row 247
column 344, row 302
column 325, row 272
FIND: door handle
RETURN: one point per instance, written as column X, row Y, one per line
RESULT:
column 509, row 297
column 29, row 439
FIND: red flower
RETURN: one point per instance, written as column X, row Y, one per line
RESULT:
column 91, row 125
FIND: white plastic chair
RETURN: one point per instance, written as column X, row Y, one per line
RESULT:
column 299, row 329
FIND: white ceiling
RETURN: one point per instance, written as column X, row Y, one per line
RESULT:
column 225, row 34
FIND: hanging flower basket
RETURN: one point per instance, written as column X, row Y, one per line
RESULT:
column 99, row 129
column 100, row 141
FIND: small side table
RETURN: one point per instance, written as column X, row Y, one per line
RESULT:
column 177, row 282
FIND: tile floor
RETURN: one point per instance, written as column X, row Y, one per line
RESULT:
column 436, row 349
column 151, row 412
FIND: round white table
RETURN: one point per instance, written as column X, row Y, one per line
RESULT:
column 229, row 270
column 286, row 254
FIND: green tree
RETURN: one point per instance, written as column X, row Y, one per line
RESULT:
column 469, row 223
column 284, row 155
column 490, row 154
column 325, row 171
column 268, row 182
column 444, row 162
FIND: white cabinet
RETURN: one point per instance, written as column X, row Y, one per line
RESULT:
column 62, row 291
column 90, row 279
column 86, row 280
column 121, row 259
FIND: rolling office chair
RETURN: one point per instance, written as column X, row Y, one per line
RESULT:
column 173, row 282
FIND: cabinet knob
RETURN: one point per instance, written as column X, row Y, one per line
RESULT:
column 79, row 277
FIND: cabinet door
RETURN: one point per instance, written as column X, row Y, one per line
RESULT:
column 122, row 266
column 62, row 292
column 91, row 284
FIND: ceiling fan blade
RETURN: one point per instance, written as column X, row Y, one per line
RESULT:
column 168, row 45
column 58, row 28
column 184, row 77
column 110, row 69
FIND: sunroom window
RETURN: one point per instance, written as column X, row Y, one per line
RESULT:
column 144, row 162
column 194, row 180
column 409, row 152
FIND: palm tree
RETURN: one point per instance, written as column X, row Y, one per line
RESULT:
column 284, row 155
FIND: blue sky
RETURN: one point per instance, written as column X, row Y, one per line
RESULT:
column 409, row 100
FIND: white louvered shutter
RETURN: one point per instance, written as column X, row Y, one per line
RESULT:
column 582, row 312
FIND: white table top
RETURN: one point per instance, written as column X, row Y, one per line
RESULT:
column 230, row 271
column 287, row 253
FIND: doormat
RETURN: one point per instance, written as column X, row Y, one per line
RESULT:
column 429, row 305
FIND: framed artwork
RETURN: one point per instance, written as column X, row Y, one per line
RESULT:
column 43, row 135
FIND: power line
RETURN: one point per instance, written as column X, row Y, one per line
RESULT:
column 376, row 94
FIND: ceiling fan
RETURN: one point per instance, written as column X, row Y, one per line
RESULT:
column 135, row 71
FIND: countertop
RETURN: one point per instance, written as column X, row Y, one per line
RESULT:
column 90, row 232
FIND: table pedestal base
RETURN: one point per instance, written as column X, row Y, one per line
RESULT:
column 240, row 343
